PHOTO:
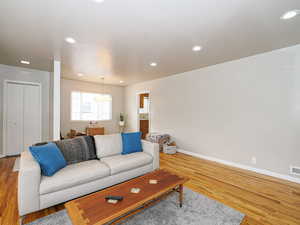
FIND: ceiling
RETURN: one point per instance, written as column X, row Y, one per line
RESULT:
column 119, row 38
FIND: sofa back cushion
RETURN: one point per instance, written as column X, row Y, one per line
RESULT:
column 108, row 145
column 131, row 142
column 77, row 149
column 49, row 157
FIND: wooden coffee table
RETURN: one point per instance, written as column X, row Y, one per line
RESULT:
column 93, row 208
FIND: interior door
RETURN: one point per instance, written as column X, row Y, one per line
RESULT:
column 23, row 117
column 144, row 114
column 14, row 119
column 32, row 115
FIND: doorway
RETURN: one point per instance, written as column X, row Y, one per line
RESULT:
column 22, row 116
column 144, row 113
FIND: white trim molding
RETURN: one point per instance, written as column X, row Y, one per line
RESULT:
column 233, row 164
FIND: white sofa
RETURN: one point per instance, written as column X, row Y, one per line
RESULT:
column 36, row 192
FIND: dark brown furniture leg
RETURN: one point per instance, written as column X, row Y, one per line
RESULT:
column 180, row 195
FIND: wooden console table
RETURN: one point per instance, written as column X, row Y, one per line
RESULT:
column 95, row 131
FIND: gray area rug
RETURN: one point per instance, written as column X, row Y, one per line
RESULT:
column 197, row 210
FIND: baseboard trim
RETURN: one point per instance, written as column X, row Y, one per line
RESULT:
column 233, row 164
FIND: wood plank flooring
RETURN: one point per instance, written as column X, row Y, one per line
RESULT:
column 265, row 200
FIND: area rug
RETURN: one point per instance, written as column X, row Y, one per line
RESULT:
column 16, row 167
column 197, row 210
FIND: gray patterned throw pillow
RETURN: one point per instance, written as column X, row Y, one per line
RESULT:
column 77, row 149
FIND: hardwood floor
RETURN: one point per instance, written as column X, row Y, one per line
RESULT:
column 8, row 196
column 265, row 200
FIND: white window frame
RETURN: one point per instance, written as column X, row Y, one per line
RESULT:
column 71, row 104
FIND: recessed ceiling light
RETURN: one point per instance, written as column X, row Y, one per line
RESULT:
column 80, row 74
column 153, row 64
column 197, row 48
column 25, row 62
column 98, row 1
column 121, row 81
column 290, row 14
column 70, row 40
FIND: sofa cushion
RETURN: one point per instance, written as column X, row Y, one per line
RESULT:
column 122, row 163
column 131, row 142
column 108, row 145
column 49, row 157
column 77, row 149
column 73, row 175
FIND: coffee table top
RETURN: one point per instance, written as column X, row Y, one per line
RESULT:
column 93, row 208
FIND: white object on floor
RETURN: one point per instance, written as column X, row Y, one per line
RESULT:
column 169, row 149
column 16, row 167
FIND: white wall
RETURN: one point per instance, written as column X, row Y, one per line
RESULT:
column 231, row 111
column 67, row 86
column 23, row 74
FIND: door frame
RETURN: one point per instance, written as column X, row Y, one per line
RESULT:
column 5, row 83
column 138, row 107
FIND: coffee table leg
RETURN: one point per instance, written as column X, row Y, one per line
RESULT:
column 180, row 195
column 21, row 220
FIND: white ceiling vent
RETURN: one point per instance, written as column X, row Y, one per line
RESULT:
column 295, row 170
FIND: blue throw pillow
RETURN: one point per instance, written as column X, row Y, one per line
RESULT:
column 49, row 157
column 131, row 142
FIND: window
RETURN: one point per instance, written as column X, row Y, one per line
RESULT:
column 90, row 106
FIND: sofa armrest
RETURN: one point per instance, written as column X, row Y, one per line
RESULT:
column 153, row 150
column 28, row 184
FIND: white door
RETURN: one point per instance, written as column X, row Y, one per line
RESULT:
column 23, row 117
column 14, row 119
column 32, row 115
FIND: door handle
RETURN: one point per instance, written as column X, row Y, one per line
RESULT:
column 12, row 123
